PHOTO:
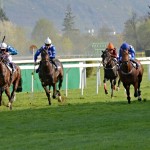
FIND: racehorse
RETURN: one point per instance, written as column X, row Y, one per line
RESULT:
column 130, row 75
column 7, row 79
column 49, row 76
column 110, row 71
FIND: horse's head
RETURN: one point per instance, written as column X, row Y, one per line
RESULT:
column 126, row 65
column 125, row 55
column 106, row 58
column 4, row 58
column 44, row 55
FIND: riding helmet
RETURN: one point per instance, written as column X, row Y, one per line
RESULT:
column 110, row 46
column 48, row 41
column 3, row 46
column 125, row 46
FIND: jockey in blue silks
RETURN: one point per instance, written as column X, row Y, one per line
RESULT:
column 126, row 46
column 51, row 51
column 8, row 50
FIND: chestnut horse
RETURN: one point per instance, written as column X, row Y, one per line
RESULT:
column 6, row 80
column 49, row 76
column 129, row 75
column 110, row 71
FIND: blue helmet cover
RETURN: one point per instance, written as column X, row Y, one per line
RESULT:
column 125, row 46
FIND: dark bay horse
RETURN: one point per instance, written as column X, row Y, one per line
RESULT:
column 110, row 71
column 6, row 80
column 129, row 75
column 49, row 76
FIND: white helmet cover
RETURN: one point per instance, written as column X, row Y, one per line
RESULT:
column 48, row 41
column 3, row 45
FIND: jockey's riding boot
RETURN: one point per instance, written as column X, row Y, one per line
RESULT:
column 137, row 65
column 11, row 75
column 53, row 62
column 56, row 68
column 118, row 64
column 12, row 67
column 37, row 70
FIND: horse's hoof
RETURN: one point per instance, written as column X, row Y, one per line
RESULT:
column 135, row 95
column 59, row 99
column 117, row 89
column 54, row 96
column 139, row 98
column 9, row 105
column 106, row 92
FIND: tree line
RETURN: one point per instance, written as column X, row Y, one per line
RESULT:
column 71, row 41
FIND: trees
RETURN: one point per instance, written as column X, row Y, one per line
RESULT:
column 3, row 16
column 131, row 31
column 149, row 12
column 15, row 36
column 43, row 29
column 68, row 22
column 137, row 32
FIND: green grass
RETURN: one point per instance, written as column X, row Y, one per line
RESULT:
column 87, row 122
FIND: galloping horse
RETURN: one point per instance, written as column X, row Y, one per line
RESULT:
column 129, row 75
column 110, row 71
column 49, row 76
column 6, row 80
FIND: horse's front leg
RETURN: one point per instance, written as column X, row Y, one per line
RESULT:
column 118, row 86
column 127, row 87
column 7, row 91
column 54, row 90
column 15, row 85
column 112, row 87
column 135, row 89
column 47, row 94
column 105, row 86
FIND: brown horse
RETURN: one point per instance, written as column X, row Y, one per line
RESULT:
column 7, row 79
column 110, row 71
column 129, row 75
column 49, row 76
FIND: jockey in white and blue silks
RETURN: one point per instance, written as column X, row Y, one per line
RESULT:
column 51, row 52
column 8, row 51
column 126, row 46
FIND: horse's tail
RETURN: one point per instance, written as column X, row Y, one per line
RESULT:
column 19, row 88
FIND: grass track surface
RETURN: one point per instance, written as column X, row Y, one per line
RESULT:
column 86, row 122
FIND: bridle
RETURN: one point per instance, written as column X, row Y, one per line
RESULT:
column 107, row 55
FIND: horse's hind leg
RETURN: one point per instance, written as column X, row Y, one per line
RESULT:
column 60, row 82
column 139, row 84
column 59, row 96
column 59, row 87
column 139, row 92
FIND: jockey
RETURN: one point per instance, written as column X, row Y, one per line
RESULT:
column 8, row 51
column 124, row 47
column 112, row 50
column 51, row 51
